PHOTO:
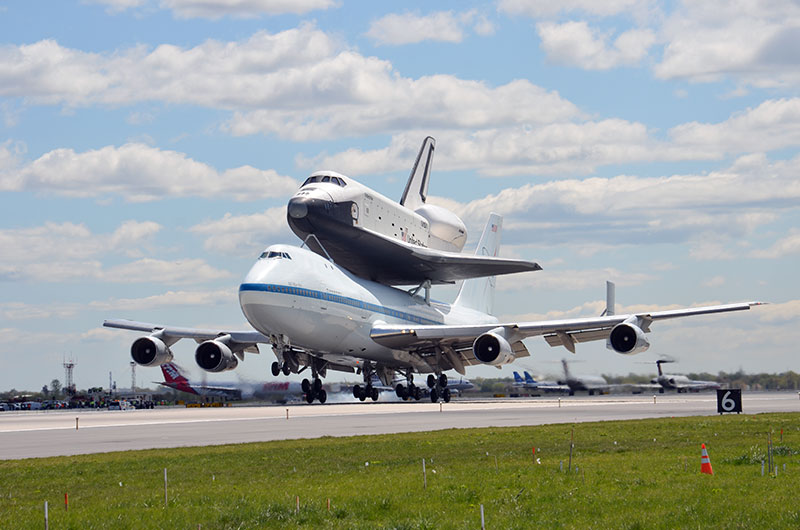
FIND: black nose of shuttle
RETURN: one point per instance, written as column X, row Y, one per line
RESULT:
column 298, row 207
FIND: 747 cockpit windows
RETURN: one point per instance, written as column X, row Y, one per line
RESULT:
column 325, row 178
column 272, row 254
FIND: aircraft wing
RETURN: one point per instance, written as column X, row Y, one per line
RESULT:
column 392, row 262
column 566, row 332
column 199, row 335
column 241, row 341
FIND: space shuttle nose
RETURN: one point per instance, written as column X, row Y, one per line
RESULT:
column 298, row 207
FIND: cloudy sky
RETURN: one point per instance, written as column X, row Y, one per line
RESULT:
column 148, row 149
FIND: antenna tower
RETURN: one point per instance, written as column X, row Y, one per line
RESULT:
column 69, row 384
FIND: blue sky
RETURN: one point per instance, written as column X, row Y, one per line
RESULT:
column 148, row 149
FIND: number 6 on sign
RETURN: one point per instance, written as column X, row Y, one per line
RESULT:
column 729, row 400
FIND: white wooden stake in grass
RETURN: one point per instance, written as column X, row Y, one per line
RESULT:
column 762, row 468
column 165, row 487
column 483, row 520
column 76, row 424
column 46, row 518
column 424, row 476
column 495, row 463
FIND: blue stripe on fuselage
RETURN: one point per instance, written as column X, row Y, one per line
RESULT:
column 336, row 299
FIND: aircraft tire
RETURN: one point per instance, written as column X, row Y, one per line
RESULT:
column 306, row 386
column 434, row 395
column 446, row 395
column 401, row 391
column 431, row 380
column 374, row 394
column 309, row 398
column 276, row 369
column 357, row 391
column 442, row 380
column 317, row 385
column 362, row 396
column 322, row 396
column 285, row 368
column 417, row 393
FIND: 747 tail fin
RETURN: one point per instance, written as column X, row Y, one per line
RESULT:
column 478, row 293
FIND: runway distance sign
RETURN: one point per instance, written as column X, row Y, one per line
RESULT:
column 729, row 400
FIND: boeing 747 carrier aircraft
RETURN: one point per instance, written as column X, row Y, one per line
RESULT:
column 319, row 316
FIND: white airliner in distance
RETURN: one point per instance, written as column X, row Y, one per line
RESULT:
column 320, row 316
column 680, row 383
column 397, row 243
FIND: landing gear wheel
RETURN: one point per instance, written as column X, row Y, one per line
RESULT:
column 306, row 386
column 434, row 395
column 285, row 369
column 417, row 393
column 446, row 395
column 317, row 385
column 362, row 396
column 442, row 380
column 309, row 398
column 374, row 394
column 356, row 391
column 276, row 369
column 431, row 381
column 401, row 392
column 322, row 396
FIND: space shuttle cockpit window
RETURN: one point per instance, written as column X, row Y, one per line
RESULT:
column 310, row 180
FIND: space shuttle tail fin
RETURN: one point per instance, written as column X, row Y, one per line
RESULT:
column 478, row 293
column 417, row 187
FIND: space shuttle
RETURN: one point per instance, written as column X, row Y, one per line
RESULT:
column 395, row 243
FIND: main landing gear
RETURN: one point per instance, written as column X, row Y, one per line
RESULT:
column 313, row 390
column 277, row 368
column 408, row 392
column 362, row 393
column 438, row 388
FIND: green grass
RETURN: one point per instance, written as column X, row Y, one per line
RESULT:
column 630, row 475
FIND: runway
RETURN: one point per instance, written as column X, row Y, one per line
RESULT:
column 35, row 434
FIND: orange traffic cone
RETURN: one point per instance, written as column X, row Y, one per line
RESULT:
column 705, row 462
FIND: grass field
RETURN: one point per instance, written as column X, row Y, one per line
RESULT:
column 633, row 474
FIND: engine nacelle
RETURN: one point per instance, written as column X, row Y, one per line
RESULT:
column 446, row 230
column 215, row 356
column 150, row 351
column 492, row 348
column 627, row 338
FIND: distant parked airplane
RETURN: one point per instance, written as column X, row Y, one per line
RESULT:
column 680, row 383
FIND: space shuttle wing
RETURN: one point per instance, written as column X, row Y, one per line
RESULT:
column 393, row 262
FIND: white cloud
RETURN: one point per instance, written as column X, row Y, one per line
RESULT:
column 215, row 9
column 704, row 209
column 751, row 41
column 409, row 28
column 138, row 173
column 547, row 8
column 576, row 44
column 244, row 235
column 569, row 280
column 716, row 281
column 786, row 246
column 773, row 124
column 145, row 270
column 71, row 252
column 168, row 299
column 298, row 84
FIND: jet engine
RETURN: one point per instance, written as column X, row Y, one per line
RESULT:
column 627, row 338
column 447, row 231
column 150, row 351
column 492, row 348
column 215, row 356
